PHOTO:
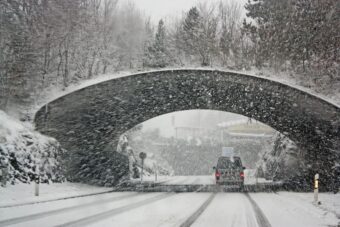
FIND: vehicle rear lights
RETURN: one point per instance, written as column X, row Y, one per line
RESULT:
column 242, row 174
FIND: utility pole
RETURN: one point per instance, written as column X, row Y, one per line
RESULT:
column 222, row 135
column 155, row 170
column 221, row 127
column 173, row 124
column 199, row 122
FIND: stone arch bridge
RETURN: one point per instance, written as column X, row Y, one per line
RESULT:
column 88, row 119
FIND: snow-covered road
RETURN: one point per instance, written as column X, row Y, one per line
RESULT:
column 174, row 209
column 71, row 204
column 202, row 180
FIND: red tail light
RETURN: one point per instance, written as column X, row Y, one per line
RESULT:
column 217, row 174
column 242, row 174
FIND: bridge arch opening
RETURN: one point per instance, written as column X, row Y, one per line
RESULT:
column 187, row 144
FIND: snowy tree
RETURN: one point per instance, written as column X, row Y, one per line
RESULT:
column 282, row 161
column 299, row 34
column 157, row 54
column 19, row 60
column 148, row 44
column 208, row 34
column 229, row 43
column 197, row 36
column 190, row 31
column 188, row 34
column 160, row 37
column 130, row 37
column 296, row 167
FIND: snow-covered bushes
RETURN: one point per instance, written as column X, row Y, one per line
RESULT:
column 103, row 168
column 151, row 163
column 284, row 162
column 149, row 142
column 296, row 167
column 22, row 149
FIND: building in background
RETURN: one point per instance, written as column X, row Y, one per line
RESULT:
column 207, row 124
column 234, row 129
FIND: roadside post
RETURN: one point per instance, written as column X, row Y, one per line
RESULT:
column 316, row 188
column 142, row 156
column 37, row 181
column 37, row 174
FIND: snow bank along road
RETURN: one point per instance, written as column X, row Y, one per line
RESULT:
column 171, row 209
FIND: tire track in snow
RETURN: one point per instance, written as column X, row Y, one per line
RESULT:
column 260, row 217
column 107, row 214
column 175, row 181
column 198, row 212
column 32, row 217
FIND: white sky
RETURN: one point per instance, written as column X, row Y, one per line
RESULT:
column 158, row 9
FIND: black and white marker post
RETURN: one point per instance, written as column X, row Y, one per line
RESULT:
column 316, row 189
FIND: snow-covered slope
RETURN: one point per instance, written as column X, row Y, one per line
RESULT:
column 22, row 149
column 20, row 194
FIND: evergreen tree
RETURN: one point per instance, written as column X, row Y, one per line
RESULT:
column 191, row 30
column 147, row 46
column 157, row 55
column 231, row 42
column 301, row 32
column 197, row 37
column 160, row 37
column 271, row 18
column 225, row 44
column 159, row 47
column 189, row 33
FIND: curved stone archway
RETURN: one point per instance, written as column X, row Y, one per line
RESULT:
column 92, row 117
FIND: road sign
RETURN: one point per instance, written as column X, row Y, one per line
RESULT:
column 227, row 151
column 142, row 155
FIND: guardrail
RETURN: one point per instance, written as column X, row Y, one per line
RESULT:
column 159, row 187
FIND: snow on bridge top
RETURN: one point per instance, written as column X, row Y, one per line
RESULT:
column 55, row 93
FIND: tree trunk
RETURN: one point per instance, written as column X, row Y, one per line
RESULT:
column 66, row 70
column 90, row 73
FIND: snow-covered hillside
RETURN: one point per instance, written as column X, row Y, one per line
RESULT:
column 22, row 149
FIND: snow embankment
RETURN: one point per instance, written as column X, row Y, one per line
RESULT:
column 21, row 194
column 297, row 209
column 330, row 202
column 22, row 149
